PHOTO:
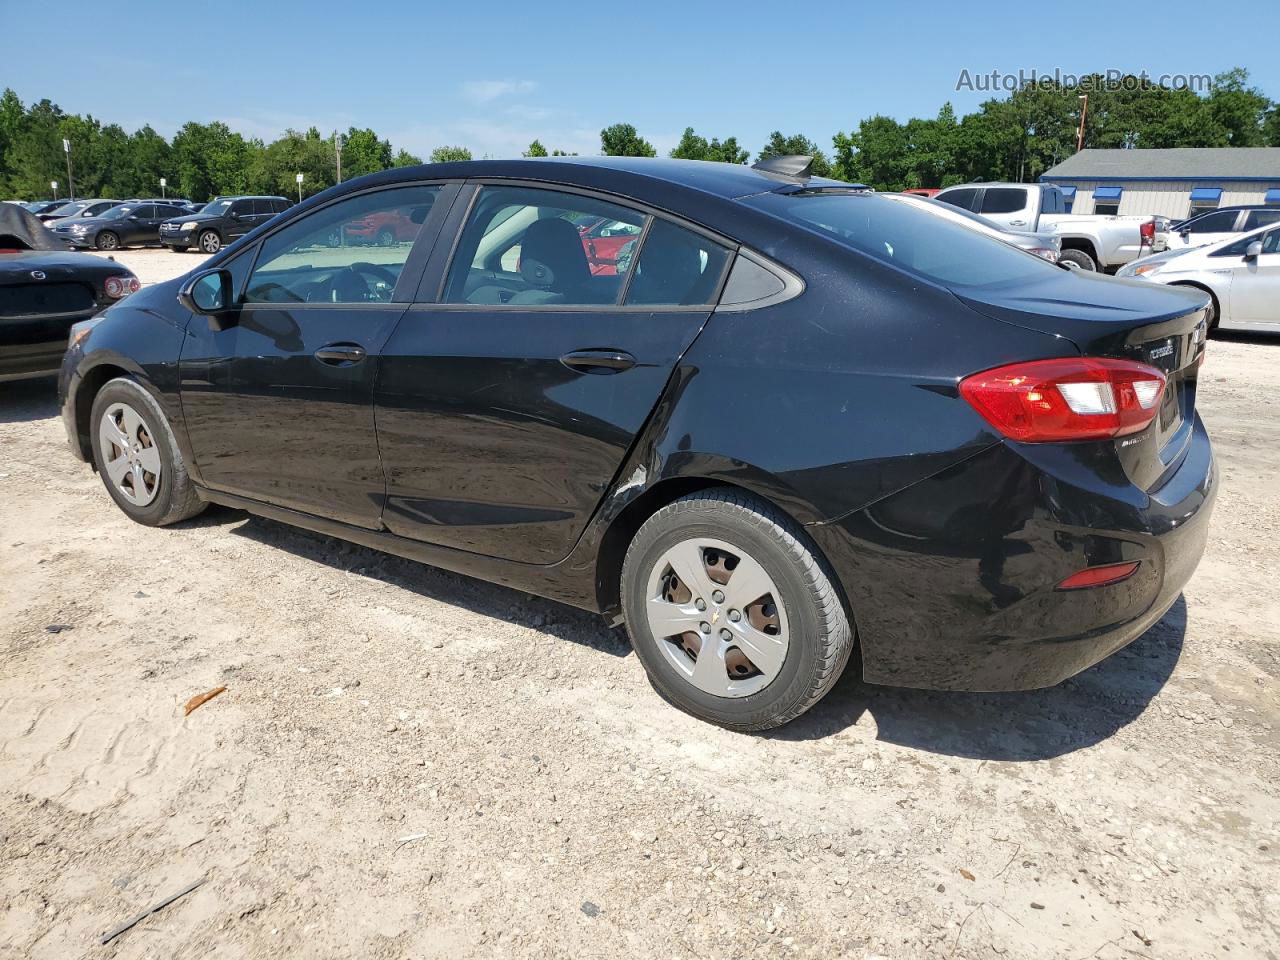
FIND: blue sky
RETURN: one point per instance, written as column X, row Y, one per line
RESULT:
column 492, row 76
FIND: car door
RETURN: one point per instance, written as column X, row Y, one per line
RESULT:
column 279, row 403
column 1255, row 286
column 1206, row 229
column 1007, row 206
column 135, row 226
column 506, row 407
column 239, row 220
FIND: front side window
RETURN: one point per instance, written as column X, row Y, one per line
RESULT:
column 317, row 258
column 1222, row 221
column 530, row 246
column 898, row 234
column 1003, row 200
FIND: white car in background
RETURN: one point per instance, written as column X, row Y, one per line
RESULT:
column 1044, row 245
column 1242, row 274
column 1227, row 223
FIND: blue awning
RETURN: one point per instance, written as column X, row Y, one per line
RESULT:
column 1199, row 194
column 1068, row 191
column 1107, row 193
column 1273, row 195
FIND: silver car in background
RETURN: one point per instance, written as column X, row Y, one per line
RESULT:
column 1044, row 245
column 1241, row 273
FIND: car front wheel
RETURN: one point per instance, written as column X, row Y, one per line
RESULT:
column 732, row 612
column 137, row 457
column 107, row 241
column 210, row 241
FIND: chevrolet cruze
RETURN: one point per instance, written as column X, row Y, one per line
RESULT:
column 798, row 422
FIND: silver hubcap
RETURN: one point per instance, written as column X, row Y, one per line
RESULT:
column 210, row 243
column 131, row 457
column 717, row 617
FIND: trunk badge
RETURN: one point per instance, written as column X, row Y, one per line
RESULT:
column 38, row 274
column 1161, row 352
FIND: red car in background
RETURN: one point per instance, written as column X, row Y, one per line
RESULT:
column 929, row 192
column 603, row 240
column 382, row 228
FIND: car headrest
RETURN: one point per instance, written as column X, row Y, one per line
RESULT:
column 551, row 255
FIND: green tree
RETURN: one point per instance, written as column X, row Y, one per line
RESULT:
column 363, row 153
column 13, row 120
column 694, row 147
column 36, row 154
column 621, row 140
column 406, row 159
column 536, row 149
column 1241, row 110
column 796, row 145
column 450, row 154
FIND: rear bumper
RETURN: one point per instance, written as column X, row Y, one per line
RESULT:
column 952, row 581
column 23, row 361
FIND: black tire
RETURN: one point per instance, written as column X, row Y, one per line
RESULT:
column 106, row 240
column 821, row 637
column 176, row 498
column 210, row 241
column 179, row 249
column 1081, row 259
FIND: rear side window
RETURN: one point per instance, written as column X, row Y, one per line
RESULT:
column 279, row 206
column 1003, row 200
column 534, row 247
column 1221, row 221
column 243, row 207
column 262, row 207
column 914, row 240
column 676, row 268
column 1261, row 218
column 963, row 198
column 1052, row 201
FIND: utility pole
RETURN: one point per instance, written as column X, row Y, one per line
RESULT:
column 71, row 184
column 1084, row 110
column 337, row 152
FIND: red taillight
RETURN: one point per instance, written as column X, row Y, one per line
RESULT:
column 1148, row 231
column 1074, row 398
column 1099, row 576
column 118, row 287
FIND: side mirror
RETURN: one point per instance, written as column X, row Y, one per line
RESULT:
column 209, row 294
column 233, row 215
column 1253, row 251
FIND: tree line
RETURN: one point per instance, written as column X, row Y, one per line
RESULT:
column 1015, row 138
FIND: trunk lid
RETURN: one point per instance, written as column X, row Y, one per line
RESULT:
column 1103, row 316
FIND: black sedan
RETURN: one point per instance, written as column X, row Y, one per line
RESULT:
column 127, row 224
column 796, row 420
column 43, row 291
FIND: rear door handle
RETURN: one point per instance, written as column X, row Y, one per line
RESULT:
column 340, row 354
column 598, row 361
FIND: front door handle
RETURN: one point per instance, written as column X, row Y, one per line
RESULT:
column 340, row 354
column 598, row 361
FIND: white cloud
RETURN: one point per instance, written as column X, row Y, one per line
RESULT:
column 484, row 91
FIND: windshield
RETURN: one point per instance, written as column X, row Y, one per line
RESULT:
column 115, row 213
column 216, row 207
column 911, row 239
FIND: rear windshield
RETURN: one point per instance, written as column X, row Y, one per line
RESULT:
column 913, row 240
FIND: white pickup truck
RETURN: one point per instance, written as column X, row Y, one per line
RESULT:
column 1088, row 242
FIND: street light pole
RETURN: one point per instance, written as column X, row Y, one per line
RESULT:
column 71, row 183
column 1084, row 110
column 337, row 152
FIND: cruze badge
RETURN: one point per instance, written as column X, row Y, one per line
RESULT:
column 38, row 274
column 1165, row 351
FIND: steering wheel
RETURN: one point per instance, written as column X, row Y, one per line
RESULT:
column 346, row 280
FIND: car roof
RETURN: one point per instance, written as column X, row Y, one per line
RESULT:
column 728, row 181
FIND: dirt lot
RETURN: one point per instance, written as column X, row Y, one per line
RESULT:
column 408, row 763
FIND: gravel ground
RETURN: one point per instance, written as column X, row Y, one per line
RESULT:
column 409, row 763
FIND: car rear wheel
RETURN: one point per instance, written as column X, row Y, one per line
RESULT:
column 385, row 237
column 210, row 241
column 137, row 457
column 107, row 240
column 1078, row 259
column 732, row 612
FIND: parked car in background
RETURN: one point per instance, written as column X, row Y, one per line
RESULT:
column 929, row 192
column 381, row 228
column 1046, row 245
column 796, row 407
column 38, row 207
column 78, row 210
column 170, row 201
column 124, row 225
column 607, row 243
column 1221, row 224
column 1088, row 242
column 1240, row 273
column 221, row 221
column 44, row 289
